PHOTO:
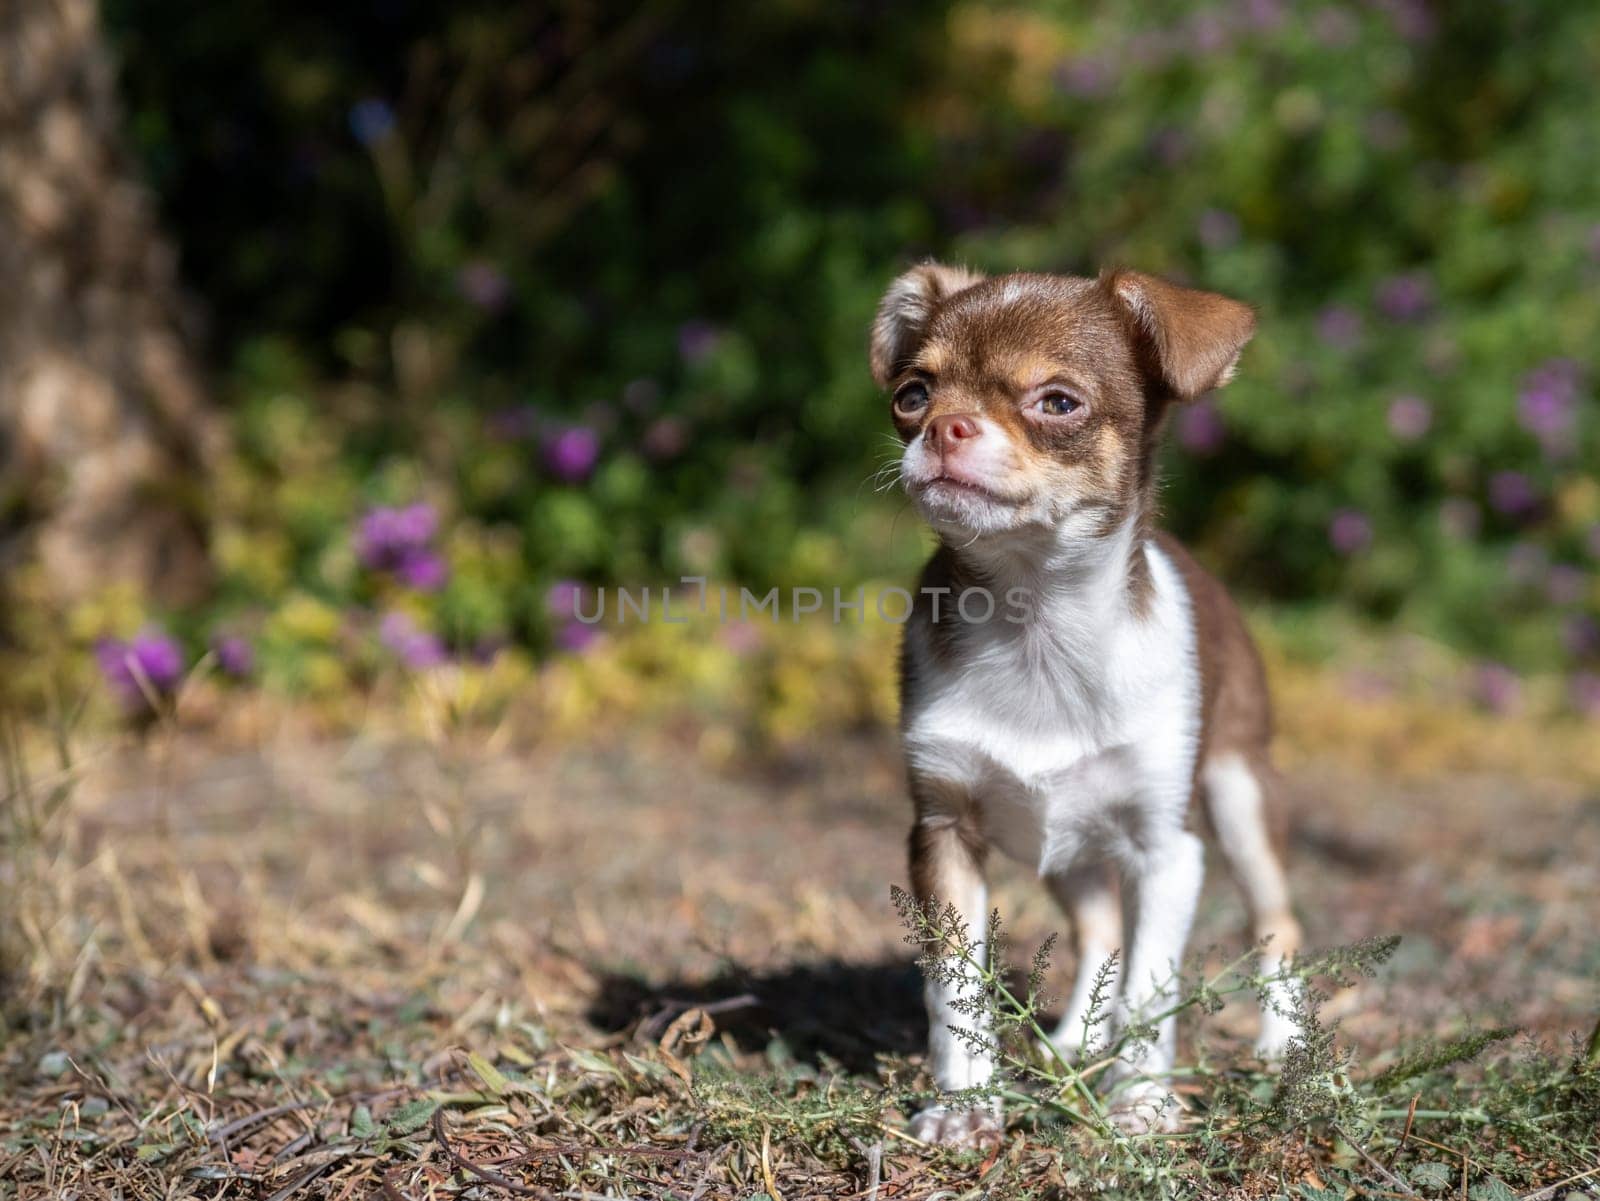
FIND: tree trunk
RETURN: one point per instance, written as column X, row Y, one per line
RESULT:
column 105, row 433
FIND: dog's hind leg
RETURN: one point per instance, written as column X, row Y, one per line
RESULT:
column 1242, row 801
column 1089, row 897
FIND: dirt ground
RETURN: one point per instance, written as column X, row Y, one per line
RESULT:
column 316, row 931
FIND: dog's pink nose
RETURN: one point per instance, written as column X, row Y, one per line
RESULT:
column 944, row 432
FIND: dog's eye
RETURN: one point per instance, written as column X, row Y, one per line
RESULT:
column 912, row 398
column 1059, row 404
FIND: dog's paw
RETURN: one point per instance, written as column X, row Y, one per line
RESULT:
column 1146, row 1107
column 953, row 1126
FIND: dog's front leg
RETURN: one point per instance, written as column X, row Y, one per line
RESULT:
column 947, row 867
column 1088, row 895
column 1160, row 891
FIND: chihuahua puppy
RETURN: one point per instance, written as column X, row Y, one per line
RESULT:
column 1075, row 689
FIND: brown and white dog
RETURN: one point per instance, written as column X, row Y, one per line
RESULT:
column 1110, row 688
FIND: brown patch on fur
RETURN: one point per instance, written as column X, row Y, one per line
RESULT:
column 933, row 359
column 905, row 312
column 1235, row 710
column 1190, row 340
column 942, row 805
column 1186, row 342
column 1235, row 704
column 942, row 571
column 947, row 845
column 944, row 635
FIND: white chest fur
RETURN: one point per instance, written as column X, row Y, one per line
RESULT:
column 1073, row 732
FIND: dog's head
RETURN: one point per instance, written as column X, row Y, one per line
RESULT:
column 1034, row 401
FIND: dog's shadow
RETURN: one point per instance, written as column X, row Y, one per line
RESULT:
column 846, row 1013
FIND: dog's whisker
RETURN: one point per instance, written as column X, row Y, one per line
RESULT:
column 894, row 523
column 884, row 478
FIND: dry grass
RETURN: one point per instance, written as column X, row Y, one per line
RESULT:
column 271, row 965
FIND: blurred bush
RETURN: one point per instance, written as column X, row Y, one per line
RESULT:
column 591, row 282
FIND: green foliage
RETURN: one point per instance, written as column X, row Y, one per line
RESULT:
column 435, row 238
column 829, row 1117
column 1432, row 1059
column 1407, row 195
column 1515, row 1120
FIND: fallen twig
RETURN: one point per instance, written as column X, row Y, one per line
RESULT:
column 482, row 1173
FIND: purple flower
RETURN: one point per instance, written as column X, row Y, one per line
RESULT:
column 1584, row 688
column 1364, row 684
column 484, row 285
column 1441, row 354
column 487, row 648
column 1386, row 129
column 371, row 120
column 562, row 599
column 235, row 657
column 641, row 395
column 1580, row 635
column 416, row 648
column 151, row 660
column 1512, row 494
column 1405, row 297
column 1171, row 145
column 512, row 424
column 1460, row 518
column 1150, row 48
column 1566, row 584
column 576, row 637
column 422, row 570
column 1207, row 33
column 417, row 524
column 375, row 540
column 1218, row 229
column 1340, row 326
column 1411, row 18
column 386, row 536
column 1084, row 77
column 1264, row 16
column 1334, row 27
column 740, row 637
column 1410, row 417
column 697, row 340
column 1547, row 405
column 387, row 539
column 568, row 599
column 665, row 438
column 1200, row 429
column 1349, row 531
column 572, row 454
column 1526, row 563
column 1496, row 687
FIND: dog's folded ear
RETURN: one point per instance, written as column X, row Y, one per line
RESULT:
column 1190, row 340
column 905, row 312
